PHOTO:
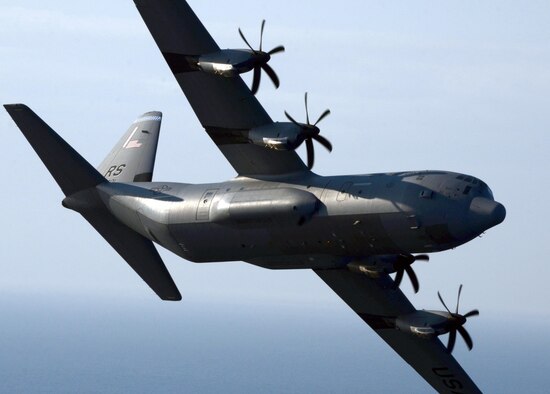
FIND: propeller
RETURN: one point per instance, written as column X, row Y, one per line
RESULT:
column 311, row 132
column 260, row 61
column 457, row 322
column 403, row 264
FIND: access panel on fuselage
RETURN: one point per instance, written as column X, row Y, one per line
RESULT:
column 203, row 209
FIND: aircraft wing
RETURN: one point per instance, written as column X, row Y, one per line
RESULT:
column 226, row 107
column 378, row 304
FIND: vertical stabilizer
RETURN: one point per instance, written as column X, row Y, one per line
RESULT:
column 133, row 157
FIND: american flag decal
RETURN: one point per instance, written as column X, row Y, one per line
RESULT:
column 130, row 143
column 133, row 144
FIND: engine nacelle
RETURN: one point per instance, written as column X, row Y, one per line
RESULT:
column 424, row 323
column 283, row 205
column 278, row 136
column 374, row 266
column 227, row 62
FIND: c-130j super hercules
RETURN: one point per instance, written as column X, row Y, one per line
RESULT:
column 352, row 231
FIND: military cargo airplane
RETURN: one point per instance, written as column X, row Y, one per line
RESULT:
column 353, row 231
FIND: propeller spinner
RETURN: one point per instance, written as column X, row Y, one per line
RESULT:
column 456, row 323
column 311, row 132
column 260, row 60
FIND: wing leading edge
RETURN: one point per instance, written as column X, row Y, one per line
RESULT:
column 378, row 304
column 225, row 107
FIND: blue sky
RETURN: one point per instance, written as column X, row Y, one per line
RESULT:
column 459, row 86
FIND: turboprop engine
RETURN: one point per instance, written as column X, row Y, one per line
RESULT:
column 428, row 324
column 374, row 266
column 289, row 136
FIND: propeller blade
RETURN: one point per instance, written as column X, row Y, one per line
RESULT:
column 267, row 68
column 256, row 80
column 398, row 278
column 452, row 340
column 323, row 141
column 307, row 111
column 310, row 153
column 246, row 41
column 443, row 302
column 474, row 312
column 262, row 34
column 466, row 337
column 292, row 119
column 323, row 116
column 275, row 50
column 413, row 278
column 310, row 132
column 422, row 257
column 458, row 297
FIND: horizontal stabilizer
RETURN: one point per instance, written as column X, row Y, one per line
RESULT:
column 138, row 251
column 70, row 170
column 77, row 178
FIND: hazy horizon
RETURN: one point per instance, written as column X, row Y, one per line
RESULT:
column 96, row 344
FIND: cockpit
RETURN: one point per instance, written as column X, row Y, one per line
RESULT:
column 473, row 185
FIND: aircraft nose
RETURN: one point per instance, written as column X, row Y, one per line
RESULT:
column 485, row 213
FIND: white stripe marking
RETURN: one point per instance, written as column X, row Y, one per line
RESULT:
column 130, row 137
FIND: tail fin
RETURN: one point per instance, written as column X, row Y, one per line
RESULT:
column 77, row 178
column 133, row 157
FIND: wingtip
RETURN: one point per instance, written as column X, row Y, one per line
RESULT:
column 172, row 298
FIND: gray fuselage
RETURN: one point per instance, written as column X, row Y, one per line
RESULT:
column 307, row 222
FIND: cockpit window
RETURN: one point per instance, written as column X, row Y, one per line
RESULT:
column 469, row 179
column 477, row 184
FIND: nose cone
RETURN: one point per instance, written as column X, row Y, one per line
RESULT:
column 485, row 213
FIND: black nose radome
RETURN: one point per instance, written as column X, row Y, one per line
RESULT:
column 485, row 213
